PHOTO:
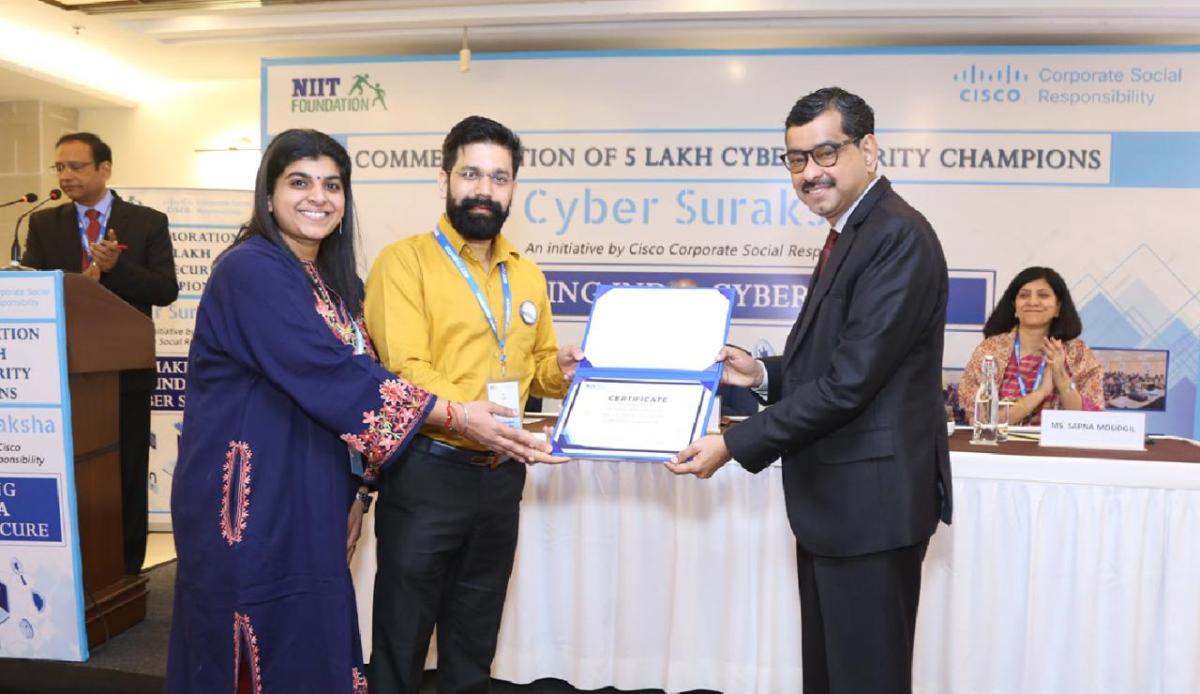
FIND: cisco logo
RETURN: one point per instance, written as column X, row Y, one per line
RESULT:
column 990, row 86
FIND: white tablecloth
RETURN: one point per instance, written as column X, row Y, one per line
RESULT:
column 1059, row 575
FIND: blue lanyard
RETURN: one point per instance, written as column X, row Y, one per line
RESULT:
column 479, row 297
column 1020, row 381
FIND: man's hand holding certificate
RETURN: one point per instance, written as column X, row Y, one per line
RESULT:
column 706, row 455
column 646, row 386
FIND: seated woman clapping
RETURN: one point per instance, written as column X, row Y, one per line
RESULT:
column 1033, row 334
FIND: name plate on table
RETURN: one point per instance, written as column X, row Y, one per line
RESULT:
column 1122, row 431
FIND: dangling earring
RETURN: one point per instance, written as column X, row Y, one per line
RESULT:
column 339, row 228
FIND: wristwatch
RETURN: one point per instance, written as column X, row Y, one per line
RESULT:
column 366, row 499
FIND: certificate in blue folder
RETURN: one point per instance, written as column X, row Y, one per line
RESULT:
column 646, row 386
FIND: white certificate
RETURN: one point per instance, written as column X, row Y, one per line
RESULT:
column 685, row 326
column 638, row 419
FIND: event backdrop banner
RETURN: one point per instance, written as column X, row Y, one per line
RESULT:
column 41, row 582
column 642, row 167
column 202, row 224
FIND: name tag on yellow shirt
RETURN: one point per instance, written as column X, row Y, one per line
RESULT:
column 506, row 393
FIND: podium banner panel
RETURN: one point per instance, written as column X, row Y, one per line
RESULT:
column 41, row 580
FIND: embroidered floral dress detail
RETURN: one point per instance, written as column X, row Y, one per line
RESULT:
column 333, row 311
column 358, row 682
column 390, row 426
column 403, row 404
column 243, row 636
column 235, row 491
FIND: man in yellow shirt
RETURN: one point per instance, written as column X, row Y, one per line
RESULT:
column 459, row 312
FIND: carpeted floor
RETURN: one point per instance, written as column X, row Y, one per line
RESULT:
column 135, row 662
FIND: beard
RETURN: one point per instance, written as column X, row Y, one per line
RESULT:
column 476, row 227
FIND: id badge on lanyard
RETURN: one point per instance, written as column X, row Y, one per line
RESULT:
column 506, row 393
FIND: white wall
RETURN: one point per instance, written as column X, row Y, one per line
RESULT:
column 156, row 143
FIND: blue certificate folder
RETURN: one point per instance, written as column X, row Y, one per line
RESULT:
column 648, row 380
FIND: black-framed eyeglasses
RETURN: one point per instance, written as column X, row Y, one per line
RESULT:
column 75, row 166
column 824, row 154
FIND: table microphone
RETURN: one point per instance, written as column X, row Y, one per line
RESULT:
column 16, row 244
column 28, row 197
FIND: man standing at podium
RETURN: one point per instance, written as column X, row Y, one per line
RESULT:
column 126, row 248
column 856, row 407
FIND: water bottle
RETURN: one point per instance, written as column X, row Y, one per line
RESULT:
column 987, row 401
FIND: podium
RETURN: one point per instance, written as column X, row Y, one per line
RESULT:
column 104, row 336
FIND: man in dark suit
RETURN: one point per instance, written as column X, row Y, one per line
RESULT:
column 126, row 248
column 856, row 407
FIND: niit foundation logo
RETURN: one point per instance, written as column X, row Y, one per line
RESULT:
column 325, row 94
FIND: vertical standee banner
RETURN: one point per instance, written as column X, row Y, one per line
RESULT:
column 203, row 223
column 643, row 167
column 41, row 580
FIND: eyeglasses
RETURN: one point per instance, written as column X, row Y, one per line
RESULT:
column 500, row 179
column 825, row 155
column 74, row 166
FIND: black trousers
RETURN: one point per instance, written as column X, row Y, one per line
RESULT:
column 135, row 472
column 858, row 619
column 446, row 537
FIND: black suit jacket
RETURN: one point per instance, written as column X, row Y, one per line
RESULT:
column 144, row 275
column 857, row 414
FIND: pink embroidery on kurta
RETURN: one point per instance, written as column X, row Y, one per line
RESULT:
column 403, row 403
column 358, row 682
column 243, row 633
column 235, row 492
column 345, row 328
column 389, row 426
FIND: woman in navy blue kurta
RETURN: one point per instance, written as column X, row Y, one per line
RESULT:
column 286, row 409
column 263, row 485
column 284, row 399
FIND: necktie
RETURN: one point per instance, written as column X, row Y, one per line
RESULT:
column 827, row 250
column 92, row 231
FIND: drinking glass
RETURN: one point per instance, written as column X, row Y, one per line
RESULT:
column 1003, row 408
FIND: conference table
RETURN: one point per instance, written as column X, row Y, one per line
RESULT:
column 1064, row 571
